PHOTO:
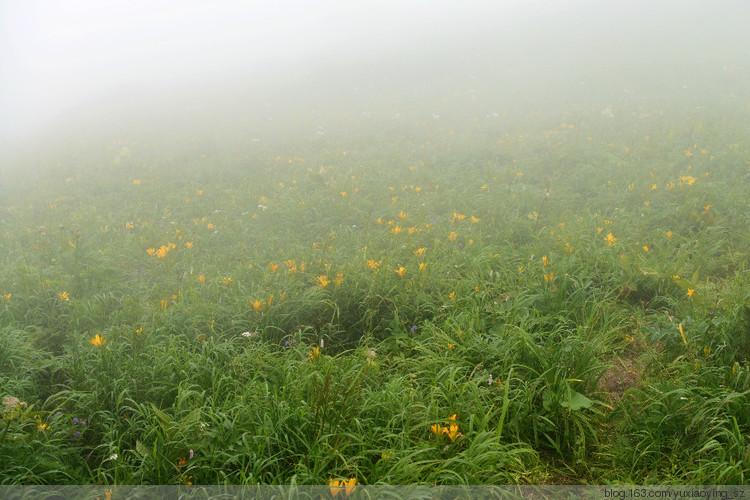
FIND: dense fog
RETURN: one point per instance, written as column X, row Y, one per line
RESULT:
column 235, row 70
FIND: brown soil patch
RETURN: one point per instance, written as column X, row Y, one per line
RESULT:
column 624, row 374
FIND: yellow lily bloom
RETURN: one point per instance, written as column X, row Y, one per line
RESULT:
column 98, row 341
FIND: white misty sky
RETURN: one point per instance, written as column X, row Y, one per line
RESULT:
column 56, row 54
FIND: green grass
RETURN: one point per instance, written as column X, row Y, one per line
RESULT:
column 275, row 342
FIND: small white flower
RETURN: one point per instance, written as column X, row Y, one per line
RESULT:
column 489, row 382
column 113, row 456
column 246, row 334
column 321, row 343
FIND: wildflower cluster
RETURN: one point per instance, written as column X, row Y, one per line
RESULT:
column 342, row 485
column 162, row 251
column 449, row 429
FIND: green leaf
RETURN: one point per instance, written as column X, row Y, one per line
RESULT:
column 163, row 417
column 576, row 401
column 647, row 272
column 625, row 263
column 141, row 449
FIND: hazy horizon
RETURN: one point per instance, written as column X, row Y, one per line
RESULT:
column 78, row 63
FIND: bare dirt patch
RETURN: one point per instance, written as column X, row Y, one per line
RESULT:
column 624, row 373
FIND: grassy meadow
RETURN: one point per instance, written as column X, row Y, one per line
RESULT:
column 390, row 297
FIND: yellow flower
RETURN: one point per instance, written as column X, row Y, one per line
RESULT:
column 452, row 295
column 690, row 292
column 669, row 234
column 350, row 484
column 323, row 281
column 338, row 486
column 396, row 230
column 688, row 179
column 189, row 244
column 400, row 271
column 6, row 297
column 474, row 220
column 339, row 278
column 63, row 296
column 452, row 431
column 98, row 341
column 256, row 304
column 452, row 236
column 162, row 252
column 201, row 278
column 610, row 239
column 273, row 267
column 645, row 248
column 422, row 266
column 419, row 251
column 374, row 265
column 42, row 426
column 315, row 354
column 402, row 215
column 136, row 182
column 226, row 280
